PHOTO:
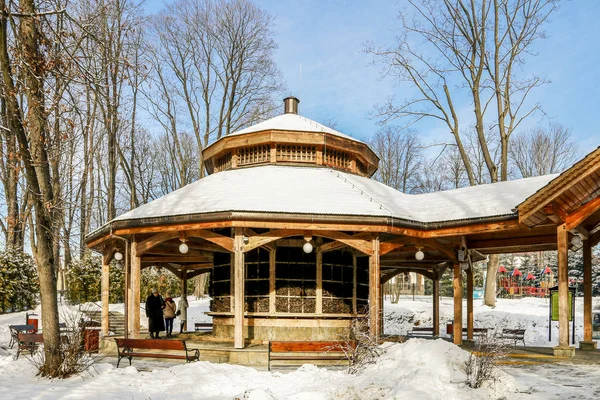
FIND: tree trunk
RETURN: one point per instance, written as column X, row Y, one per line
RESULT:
column 490, row 280
column 199, row 289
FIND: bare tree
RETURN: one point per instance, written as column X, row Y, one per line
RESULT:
column 400, row 152
column 543, row 150
column 470, row 50
column 31, row 130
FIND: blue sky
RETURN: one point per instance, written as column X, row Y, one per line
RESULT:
column 325, row 39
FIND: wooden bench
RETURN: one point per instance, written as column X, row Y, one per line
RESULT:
column 476, row 332
column 516, row 335
column 28, row 342
column 203, row 326
column 15, row 330
column 126, row 348
column 309, row 351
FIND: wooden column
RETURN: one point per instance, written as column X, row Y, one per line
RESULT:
column 470, row 303
column 127, row 295
column 457, row 285
column 436, row 304
column 354, row 305
column 272, row 275
column 238, row 268
column 374, row 289
column 105, row 297
column 136, row 274
column 587, row 343
column 319, row 308
column 184, row 291
column 562, row 238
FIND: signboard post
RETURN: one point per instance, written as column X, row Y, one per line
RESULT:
column 553, row 310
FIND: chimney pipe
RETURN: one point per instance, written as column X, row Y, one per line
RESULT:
column 290, row 105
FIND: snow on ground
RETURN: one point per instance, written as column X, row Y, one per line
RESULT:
column 417, row 369
column 528, row 313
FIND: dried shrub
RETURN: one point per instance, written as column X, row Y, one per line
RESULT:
column 360, row 346
column 75, row 359
column 481, row 365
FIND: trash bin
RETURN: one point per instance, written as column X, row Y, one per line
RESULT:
column 91, row 339
column 32, row 319
column 90, row 335
column 450, row 327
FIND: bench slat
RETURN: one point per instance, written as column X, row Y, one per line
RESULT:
column 155, row 355
column 157, row 344
column 321, row 346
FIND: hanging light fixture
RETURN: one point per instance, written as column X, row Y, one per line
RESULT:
column 419, row 255
column 307, row 247
column 183, row 247
column 118, row 256
column 576, row 240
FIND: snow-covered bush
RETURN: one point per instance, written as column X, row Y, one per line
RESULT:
column 481, row 365
column 19, row 286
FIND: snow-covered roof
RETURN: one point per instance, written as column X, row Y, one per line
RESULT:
column 292, row 122
column 323, row 191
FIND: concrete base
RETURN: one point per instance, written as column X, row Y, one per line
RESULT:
column 588, row 345
column 568, row 351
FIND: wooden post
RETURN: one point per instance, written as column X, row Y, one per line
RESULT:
column 436, row 304
column 319, row 308
column 470, row 303
column 354, row 304
column 127, row 284
column 374, row 289
column 587, row 343
column 239, row 306
column 272, row 275
column 105, row 294
column 457, row 285
column 184, row 291
column 563, row 348
column 381, row 301
column 136, row 270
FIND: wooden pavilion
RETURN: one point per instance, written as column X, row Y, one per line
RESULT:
column 300, row 240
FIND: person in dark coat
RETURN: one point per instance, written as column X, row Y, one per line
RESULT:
column 154, row 311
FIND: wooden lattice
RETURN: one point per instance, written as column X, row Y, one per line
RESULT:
column 296, row 153
column 254, row 154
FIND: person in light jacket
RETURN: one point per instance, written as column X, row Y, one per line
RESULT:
column 169, row 313
column 182, row 306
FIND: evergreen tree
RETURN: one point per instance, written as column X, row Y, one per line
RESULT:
column 19, row 286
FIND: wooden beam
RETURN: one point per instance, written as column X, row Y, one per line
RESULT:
column 268, row 246
column 470, row 304
column 136, row 264
column 324, row 248
column 176, row 259
column 222, row 241
column 105, row 297
column 155, row 240
column 171, row 269
column 555, row 213
column 578, row 216
column 319, row 292
column 272, row 282
column 374, row 288
column 238, row 267
column 457, row 286
column 394, row 244
column 268, row 237
column 507, row 243
column 563, row 286
column 587, row 291
column 436, row 305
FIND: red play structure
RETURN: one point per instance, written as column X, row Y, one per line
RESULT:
column 512, row 284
